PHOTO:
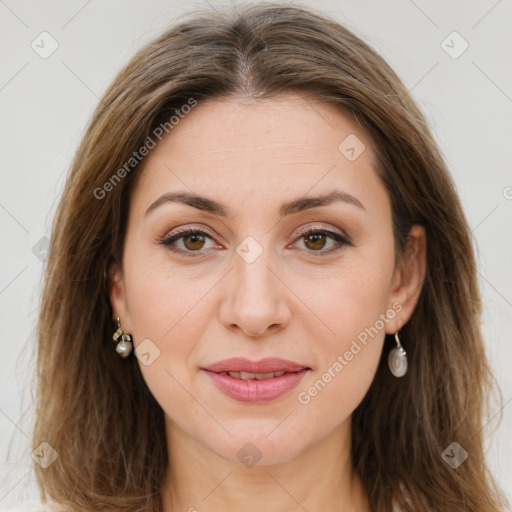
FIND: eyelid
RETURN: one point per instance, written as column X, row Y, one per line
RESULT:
column 316, row 227
column 190, row 227
column 187, row 229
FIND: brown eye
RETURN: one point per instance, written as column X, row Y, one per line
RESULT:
column 194, row 242
column 315, row 241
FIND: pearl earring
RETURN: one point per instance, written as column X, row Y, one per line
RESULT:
column 397, row 359
column 125, row 346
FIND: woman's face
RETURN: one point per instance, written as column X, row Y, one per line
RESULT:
column 250, row 282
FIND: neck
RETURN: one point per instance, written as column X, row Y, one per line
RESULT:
column 321, row 477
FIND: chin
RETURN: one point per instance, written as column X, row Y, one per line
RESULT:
column 249, row 447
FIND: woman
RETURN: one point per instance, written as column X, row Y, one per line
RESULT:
column 261, row 290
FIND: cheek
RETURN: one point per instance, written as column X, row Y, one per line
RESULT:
column 158, row 311
column 348, row 354
column 173, row 319
column 351, row 297
column 168, row 306
column 161, row 298
column 163, row 313
column 353, row 308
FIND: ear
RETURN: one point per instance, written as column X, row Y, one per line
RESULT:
column 117, row 295
column 408, row 278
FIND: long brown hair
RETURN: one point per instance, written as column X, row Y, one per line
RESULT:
column 95, row 409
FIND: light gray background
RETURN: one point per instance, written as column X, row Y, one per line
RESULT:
column 45, row 104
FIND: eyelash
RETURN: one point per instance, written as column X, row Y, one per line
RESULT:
column 340, row 240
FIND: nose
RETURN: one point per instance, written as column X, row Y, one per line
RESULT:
column 255, row 299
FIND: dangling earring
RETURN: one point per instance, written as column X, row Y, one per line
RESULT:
column 397, row 359
column 125, row 346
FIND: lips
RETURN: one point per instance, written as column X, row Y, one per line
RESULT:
column 256, row 382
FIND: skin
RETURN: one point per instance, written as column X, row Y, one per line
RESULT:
column 290, row 302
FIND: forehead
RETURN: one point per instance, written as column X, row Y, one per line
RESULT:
column 256, row 127
column 257, row 149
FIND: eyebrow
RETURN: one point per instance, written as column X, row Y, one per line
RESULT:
column 216, row 208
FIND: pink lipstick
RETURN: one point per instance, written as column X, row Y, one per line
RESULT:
column 256, row 381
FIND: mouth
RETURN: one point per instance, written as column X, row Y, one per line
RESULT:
column 253, row 376
column 240, row 367
column 256, row 382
